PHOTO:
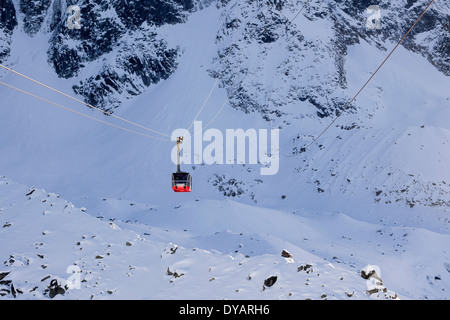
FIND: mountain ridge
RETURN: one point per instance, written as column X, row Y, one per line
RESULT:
column 373, row 190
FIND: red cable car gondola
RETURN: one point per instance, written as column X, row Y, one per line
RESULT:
column 181, row 181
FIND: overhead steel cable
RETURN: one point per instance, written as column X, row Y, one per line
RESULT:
column 80, row 113
column 82, row 102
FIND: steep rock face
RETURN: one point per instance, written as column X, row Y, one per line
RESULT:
column 134, row 13
column 34, row 14
column 258, row 38
column 305, row 48
column 8, row 22
column 264, row 33
column 123, row 34
column 430, row 37
column 117, row 39
column 71, row 48
column 140, row 61
column 8, row 18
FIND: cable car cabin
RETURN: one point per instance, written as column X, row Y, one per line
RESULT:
column 181, row 182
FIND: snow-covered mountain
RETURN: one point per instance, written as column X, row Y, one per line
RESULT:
column 374, row 190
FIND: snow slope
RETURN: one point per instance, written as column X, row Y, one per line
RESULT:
column 191, row 252
column 373, row 191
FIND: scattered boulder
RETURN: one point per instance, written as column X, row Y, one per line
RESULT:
column 270, row 281
column 307, row 268
column 55, row 288
column 286, row 254
column 369, row 272
column 375, row 284
column 174, row 274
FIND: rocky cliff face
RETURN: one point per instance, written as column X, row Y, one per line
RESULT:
column 8, row 22
column 306, row 54
column 34, row 14
column 258, row 38
column 430, row 37
column 124, row 35
column 120, row 37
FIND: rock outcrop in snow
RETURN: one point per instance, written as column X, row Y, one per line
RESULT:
column 8, row 21
column 375, row 284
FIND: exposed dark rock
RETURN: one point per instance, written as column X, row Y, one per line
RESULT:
column 286, row 254
column 34, row 14
column 135, row 12
column 229, row 188
column 366, row 274
column 55, row 288
column 3, row 275
column 8, row 22
column 307, row 268
column 270, row 281
column 97, row 36
column 142, row 61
